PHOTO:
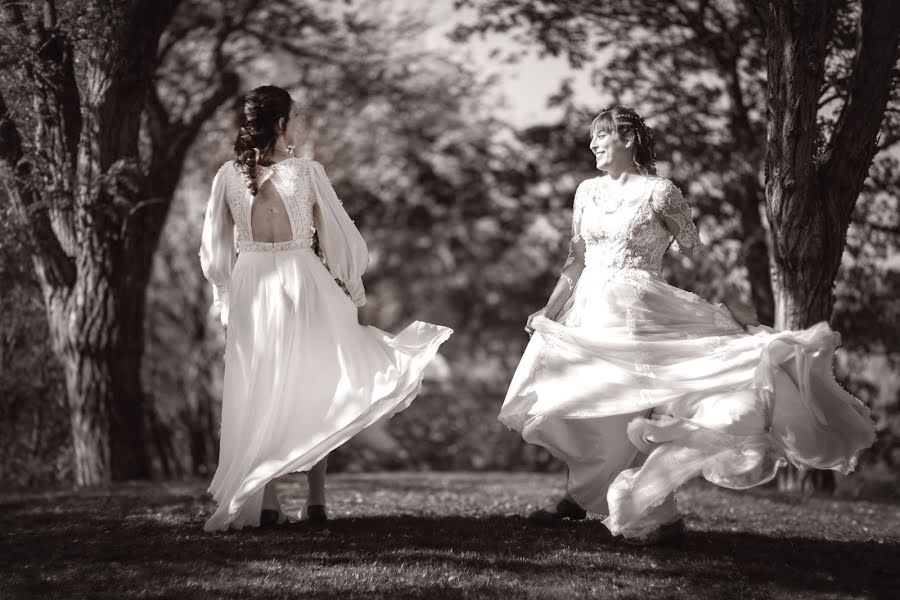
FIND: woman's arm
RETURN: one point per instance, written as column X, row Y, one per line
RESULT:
column 669, row 204
column 217, row 251
column 344, row 249
column 571, row 272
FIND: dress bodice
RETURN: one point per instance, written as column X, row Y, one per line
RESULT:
column 291, row 179
column 303, row 186
column 631, row 231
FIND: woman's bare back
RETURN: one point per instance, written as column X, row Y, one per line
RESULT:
column 269, row 220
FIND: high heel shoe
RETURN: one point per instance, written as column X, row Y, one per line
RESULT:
column 269, row 518
column 552, row 515
column 314, row 513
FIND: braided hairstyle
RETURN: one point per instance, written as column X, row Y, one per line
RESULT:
column 629, row 126
column 255, row 142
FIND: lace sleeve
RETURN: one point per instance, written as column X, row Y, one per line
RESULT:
column 668, row 202
column 575, row 260
column 343, row 247
column 217, row 251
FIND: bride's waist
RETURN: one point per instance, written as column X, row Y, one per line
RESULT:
column 254, row 246
column 598, row 258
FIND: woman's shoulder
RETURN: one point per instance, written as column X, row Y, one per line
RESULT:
column 661, row 186
column 301, row 165
column 228, row 167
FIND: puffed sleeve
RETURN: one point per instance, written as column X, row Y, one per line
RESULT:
column 668, row 202
column 575, row 260
column 217, row 251
column 343, row 247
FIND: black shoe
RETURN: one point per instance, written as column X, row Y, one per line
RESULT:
column 316, row 514
column 270, row 518
column 552, row 515
column 670, row 534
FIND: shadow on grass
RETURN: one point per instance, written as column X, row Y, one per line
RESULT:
column 79, row 547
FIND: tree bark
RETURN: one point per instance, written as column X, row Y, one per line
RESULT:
column 810, row 194
column 77, row 183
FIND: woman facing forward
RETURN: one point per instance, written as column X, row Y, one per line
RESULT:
column 302, row 376
column 621, row 363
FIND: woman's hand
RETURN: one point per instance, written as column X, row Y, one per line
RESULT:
column 364, row 315
column 745, row 315
column 742, row 312
column 541, row 313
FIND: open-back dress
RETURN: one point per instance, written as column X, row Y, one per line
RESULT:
column 302, row 376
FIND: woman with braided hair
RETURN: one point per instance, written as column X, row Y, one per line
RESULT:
column 302, row 375
column 639, row 386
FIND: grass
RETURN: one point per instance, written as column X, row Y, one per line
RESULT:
column 446, row 535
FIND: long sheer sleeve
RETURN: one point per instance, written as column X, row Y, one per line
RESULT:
column 668, row 202
column 217, row 251
column 575, row 260
column 343, row 247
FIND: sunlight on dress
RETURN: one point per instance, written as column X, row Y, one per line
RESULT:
column 301, row 375
column 636, row 365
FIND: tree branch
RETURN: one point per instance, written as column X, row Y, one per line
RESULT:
column 854, row 142
column 58, row 268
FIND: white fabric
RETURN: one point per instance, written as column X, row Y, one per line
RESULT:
column 344, row 249
column 301, row 375
column 217, row 250
column 704, row 395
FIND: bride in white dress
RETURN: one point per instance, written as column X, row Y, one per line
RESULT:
column 639, row 386
column 302, row 376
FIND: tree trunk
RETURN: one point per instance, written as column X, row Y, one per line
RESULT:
column 77, row 183
column 804, row 264
column 104, row 397
column 811, row 191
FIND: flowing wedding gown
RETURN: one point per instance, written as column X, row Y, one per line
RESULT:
column 633, row 364
column 301, row 375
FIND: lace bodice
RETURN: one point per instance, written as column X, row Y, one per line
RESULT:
column 291, row 179
column 630, row 231
column 313, row 209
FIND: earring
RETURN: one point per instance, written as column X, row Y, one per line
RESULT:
column 290, row 149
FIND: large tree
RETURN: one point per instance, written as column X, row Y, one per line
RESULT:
column 100, row 102
column 71, row 103
column 814, row 178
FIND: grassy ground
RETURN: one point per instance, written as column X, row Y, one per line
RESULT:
column 439, row 536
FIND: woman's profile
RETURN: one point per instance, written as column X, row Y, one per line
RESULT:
column 639, row 386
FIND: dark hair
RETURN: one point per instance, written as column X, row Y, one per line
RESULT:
column 263, row 107
column 629, row 126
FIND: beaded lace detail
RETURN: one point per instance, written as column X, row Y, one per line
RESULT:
column 291, row 179
column 630, row 233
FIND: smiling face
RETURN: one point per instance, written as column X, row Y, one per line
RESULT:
column 613, row 154
column 611, row 151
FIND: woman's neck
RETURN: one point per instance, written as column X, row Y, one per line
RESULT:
column 621, row 176
column 280, row 152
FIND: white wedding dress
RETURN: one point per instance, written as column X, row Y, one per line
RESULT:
column 301, row 375
column 633, row 365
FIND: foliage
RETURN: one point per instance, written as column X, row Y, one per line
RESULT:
column 467, row 218
column 697, row 70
